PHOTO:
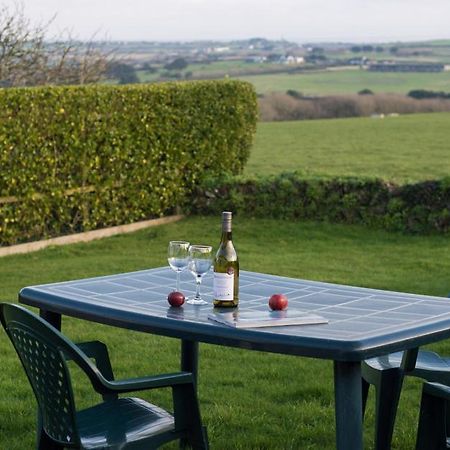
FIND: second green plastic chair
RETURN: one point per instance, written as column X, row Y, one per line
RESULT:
column 386, row 375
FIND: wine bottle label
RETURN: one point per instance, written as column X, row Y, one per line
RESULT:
column 223, row 286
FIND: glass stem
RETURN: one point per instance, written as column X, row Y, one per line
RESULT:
column 198, row 281
column 178, row 281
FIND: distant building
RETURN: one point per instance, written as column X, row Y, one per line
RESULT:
column 218, row 49
column 290, row 59
column 358, row 61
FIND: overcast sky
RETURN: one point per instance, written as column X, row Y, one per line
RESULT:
column 297, row 20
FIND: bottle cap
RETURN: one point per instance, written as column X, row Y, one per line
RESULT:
column 226, row 220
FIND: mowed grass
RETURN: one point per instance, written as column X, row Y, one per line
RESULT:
column 406, row 148
column 249, row 400
column 349, row 82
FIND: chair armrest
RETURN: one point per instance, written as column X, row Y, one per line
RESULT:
column 437, row 390
column 99, row 351
column 144, row 383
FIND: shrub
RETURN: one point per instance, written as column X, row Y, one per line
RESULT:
column 423, row 93
column 278, row 106
column 416, row 208
column 80, row 158
column 294, row 93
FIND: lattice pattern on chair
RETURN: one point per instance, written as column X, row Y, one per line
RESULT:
column 48, row 374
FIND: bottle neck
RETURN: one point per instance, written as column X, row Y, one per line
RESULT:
column 226, row 236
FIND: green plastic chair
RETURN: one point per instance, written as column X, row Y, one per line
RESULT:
column 432, row 431
column 386, row 374
column 117, row 423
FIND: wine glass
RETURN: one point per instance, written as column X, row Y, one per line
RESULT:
column 200, row 259
column 178, row 257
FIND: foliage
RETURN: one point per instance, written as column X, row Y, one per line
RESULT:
column 366, row 48
column 80, row 158
column 122, row 72
column 423, row 93
column 415, row 208
column 277, row 106
column 294, row 93
column 176, row 64
column 29, row 57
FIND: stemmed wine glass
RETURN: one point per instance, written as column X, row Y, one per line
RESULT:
column 178, row 257
column 200, row 259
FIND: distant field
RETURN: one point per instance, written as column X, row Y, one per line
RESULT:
column 215, row 69
column 401, row 149
column 349, row 82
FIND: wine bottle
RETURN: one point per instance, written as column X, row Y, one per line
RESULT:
column 226, row 268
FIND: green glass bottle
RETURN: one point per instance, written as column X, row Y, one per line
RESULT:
column 226, row 268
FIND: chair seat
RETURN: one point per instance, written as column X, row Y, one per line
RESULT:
column 113, row 424
column 426, row 362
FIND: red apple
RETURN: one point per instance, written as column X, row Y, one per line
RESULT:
column 278, row 302
column 175, row 299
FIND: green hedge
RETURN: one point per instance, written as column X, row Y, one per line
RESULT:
column 80, row 158
column 413, row 208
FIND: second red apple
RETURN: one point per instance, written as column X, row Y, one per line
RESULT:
column 278, row 302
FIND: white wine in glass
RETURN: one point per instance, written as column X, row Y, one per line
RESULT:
column 178, row 257
column 200, row 260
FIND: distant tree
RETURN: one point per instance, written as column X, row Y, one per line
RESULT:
column 257, row 41
column 423, row 93
column 293, row 93
column 123, row 73
column 367, row 48
column 273, row 57
column 172, row 74
column 28, row 57
column 268, row 47
column 315, row 58
column 379, row 49
column 356, row 49
column 148, row 68
column 365, row 92
column 393, row 50
column 177, row 64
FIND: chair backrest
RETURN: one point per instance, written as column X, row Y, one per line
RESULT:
column 41, row 349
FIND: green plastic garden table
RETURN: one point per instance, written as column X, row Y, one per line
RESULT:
column 362, row 323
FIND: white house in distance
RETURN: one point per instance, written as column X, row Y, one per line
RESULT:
column 290, row 59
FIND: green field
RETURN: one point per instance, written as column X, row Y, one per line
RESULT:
column 269, row 401
column 349, row 82
column 401, row 149
column 217, row 69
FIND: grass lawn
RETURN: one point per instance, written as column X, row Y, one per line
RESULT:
column 406, row 148
column 349, row 82
column 249, row 400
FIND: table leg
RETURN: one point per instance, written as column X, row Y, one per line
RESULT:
column 43, row 442
column 348, row 405
column 51, row 317
column 189, row 363
column 189, row 357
